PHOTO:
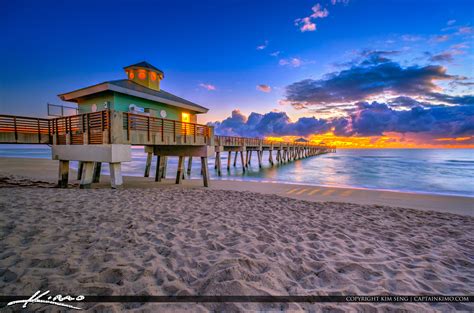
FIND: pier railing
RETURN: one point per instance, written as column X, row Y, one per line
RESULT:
column 108, row 126
column 87, row 128
column 174, row 131
column 21, row 128
column 256, row 142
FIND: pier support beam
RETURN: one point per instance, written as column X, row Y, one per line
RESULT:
column 63, row 177
column 164, row 166
column 149, row 157
column 190, row 164
column 259, row 155
column 218, row 163
column 116, row 179
column 80, row 166
column 229, row 159
column 87, row 175
column 97, row 170
column 270, row 157
column 235, row 158
column 90, row 159
column 179, row 173
column 158, row 173
column 205, row 171
column 242, row 160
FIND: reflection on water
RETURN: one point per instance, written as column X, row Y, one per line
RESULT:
column 433, row 171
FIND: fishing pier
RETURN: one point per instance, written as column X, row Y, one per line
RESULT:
column 116, row 115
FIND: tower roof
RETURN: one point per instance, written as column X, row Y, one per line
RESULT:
column 144, row 65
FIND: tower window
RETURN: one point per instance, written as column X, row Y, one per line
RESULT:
column 142, row 75
column 131, row 75
column 153, row 76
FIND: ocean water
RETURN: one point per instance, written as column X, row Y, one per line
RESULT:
column 438, row 171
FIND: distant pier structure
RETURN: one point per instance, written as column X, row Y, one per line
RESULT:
column 115, row 115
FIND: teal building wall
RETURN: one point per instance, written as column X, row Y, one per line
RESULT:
column 121, row 102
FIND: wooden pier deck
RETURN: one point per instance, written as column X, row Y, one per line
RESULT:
column 107, row 136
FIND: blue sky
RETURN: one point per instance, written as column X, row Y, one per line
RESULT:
column 218, row 53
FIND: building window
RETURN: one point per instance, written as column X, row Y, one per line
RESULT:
column 153, row 76
column 185, row 117
column 131, row 75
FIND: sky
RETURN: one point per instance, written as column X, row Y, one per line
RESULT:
column 359, row 74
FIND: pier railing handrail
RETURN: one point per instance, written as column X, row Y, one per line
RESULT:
column 155, row 125
column 248, row 141
column 25, row 125
column 89, row 128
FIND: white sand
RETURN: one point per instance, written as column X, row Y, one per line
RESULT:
column 175, row 241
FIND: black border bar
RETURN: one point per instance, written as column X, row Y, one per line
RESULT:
column 265, row 299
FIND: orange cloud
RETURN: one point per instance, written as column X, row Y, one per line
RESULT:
column 387, row 141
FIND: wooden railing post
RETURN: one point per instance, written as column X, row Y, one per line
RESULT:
column 88, row 119
column 148, row 127
column 50, row 139
column 185, row 132
column 162, row 130
column 128, row 126
column 70, row 130
column 39, row 131
column 14, row 126
column 174, row 131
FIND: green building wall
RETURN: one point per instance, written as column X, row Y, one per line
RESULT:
column 121, row 102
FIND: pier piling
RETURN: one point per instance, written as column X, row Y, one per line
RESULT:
column 149, row 157
column 87, row 175
column 179, row 173
column 97, row 170
column 63, row 178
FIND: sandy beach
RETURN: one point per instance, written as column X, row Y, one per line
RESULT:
column 196, row 241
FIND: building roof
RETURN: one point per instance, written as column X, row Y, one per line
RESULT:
column 301, row 140
column 131, row 88
column 145, row 65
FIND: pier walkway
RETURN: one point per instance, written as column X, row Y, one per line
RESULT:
column 107, row 136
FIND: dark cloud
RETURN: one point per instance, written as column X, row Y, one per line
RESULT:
column 377, row 56
column 367, row 79
column 375, row 119
column 367, row 57
column 458, row 100
column 406, row 102
column 269, row 124
column 366, row 119
column 446, row 56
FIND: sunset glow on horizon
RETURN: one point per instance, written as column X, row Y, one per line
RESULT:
column 389, row 141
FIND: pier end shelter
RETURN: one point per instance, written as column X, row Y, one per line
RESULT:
column 139, row 93
column 134, row 111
